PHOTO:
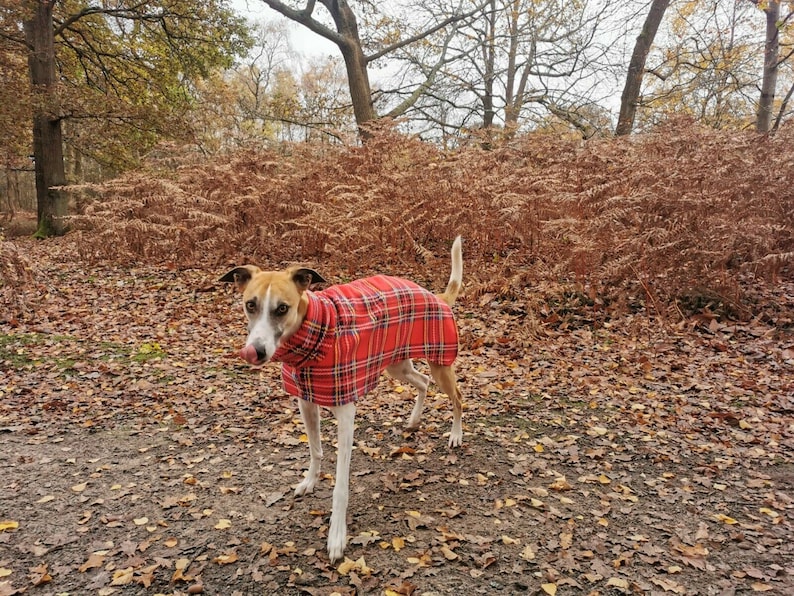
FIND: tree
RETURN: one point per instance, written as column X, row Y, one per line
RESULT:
column 47, row 135
column 636, row 70
column 771, row 62
column 347, row 37
column 516, row 62
column 127, row 64
column 705, row 66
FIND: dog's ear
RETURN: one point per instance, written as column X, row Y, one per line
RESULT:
column 305, row 277
column 240, row 276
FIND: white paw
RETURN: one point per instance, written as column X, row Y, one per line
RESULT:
column 307, row 485
column 456, row 437
column 337, row 538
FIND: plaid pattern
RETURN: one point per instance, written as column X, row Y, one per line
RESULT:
column 352, row 332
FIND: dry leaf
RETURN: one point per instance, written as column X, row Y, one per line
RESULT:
column 226, row 559
column 94, row 560
column 122, row 577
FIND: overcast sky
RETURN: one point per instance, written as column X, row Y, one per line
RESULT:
column 303, row 40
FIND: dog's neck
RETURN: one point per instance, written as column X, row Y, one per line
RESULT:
column 309, row 343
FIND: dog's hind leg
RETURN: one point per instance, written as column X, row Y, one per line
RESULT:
column 405, row 371
column 337, row 533
column 445, row 377
column 310, row 413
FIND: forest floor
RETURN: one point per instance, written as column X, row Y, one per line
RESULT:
column 138, row 455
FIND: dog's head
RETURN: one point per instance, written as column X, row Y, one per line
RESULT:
column 275, row 305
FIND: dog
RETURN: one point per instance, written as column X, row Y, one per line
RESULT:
column 334, row 345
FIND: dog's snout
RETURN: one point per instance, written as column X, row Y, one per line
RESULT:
column 252, row 354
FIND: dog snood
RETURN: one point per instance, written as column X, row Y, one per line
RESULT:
column 352, row 332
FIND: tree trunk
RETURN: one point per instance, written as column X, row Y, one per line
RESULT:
column 771, row 49
column 631, row 91
column 47, row 135
column 355, row 61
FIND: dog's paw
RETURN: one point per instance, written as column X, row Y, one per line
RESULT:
column 306, row 486
column 337, row 538
column 456, row 438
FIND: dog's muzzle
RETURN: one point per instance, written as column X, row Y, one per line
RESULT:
column 252, row 355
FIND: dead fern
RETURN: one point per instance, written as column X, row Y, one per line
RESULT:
column 650, row 222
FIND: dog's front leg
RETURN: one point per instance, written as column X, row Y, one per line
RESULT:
column 310, row 413
column 337, row 533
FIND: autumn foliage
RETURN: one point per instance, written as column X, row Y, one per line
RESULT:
column 674, row 222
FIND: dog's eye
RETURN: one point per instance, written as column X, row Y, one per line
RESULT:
column 250, row 306
column 281, row 310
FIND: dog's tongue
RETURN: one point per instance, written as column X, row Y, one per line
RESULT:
column 248, row 353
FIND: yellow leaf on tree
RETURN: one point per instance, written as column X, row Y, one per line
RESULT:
column 550, row 589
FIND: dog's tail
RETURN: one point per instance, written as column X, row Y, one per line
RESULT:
column 456, row 277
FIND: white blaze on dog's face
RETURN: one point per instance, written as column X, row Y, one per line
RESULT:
column 274, row 304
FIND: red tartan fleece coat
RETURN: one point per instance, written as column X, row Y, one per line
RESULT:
column 352, row 332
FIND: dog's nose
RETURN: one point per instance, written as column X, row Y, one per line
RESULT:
column 252, row 355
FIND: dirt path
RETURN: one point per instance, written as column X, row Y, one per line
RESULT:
column 139, row 457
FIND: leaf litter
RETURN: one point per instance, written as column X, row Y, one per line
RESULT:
column 140, row 457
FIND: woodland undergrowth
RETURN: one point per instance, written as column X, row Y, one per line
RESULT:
column 679, row 221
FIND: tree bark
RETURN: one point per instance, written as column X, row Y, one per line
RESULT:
column 769, row 82
column 47, row 134
column 631, row 91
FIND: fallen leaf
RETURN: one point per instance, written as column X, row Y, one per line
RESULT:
column 8, row 525
column 618, row 582
column 122, row 577
column 528, row 554
column 94, row 560
column 226, row 559
column 223, row 524
column 39, row 575
column 550, row 589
